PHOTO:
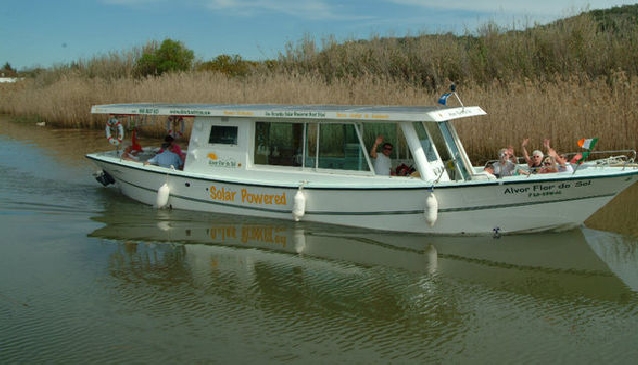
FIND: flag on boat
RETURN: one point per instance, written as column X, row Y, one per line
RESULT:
column 443, row 98
column 587, row 144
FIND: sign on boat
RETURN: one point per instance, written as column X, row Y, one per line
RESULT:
column 314, row 163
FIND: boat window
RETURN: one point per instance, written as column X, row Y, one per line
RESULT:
column 339, row 148
column 392, row 134
column 223, row 135
column 296, row 144
column 456, row 151
column 278, row 143
column 432, row 141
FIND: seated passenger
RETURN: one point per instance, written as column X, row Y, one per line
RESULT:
column 174, row 147
column 536, row 160
column 166, row 158
column 562, row 162
column 489, row 169
column 404, row 170
column 504, row 166
column 549, row 165
column 131, row 152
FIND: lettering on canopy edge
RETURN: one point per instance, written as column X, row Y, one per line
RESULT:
column 362, row 116
column 240, row 113
column 199, row 112
column 148, row 111
column 295, row 114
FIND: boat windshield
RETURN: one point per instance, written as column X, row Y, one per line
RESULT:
column 345, row 146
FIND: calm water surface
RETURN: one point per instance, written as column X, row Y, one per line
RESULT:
column 88, row 276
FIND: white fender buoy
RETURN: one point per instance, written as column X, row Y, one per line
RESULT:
column 431, row 210
column 162, row 196
column 299, row 204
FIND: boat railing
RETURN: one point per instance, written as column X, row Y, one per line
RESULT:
column 617, row 158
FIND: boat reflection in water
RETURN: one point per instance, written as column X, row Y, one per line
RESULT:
column 262, row 249
column 619, row 252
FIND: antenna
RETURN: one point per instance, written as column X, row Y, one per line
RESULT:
column 453, row 90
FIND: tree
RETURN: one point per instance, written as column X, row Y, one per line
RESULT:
column 229, row 65
column 169, row 57
column 8, row 71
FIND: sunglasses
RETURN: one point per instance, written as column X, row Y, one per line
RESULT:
column 388, row 149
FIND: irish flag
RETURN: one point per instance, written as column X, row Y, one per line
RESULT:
column 587, row 144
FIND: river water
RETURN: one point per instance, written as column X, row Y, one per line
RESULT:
column 88, row 276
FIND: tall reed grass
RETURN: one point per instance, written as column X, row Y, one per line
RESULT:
column 561, row 111
column 564, row 82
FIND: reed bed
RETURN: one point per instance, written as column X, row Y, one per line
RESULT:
column 561, row 111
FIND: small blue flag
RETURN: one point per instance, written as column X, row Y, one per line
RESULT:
column 443, row 98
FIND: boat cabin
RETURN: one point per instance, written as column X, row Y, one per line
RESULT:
column 230, row 139
column 431, row 148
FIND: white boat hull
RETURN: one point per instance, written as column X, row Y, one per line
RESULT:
column 552, row 202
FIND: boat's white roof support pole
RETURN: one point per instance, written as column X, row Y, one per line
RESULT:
column 411, row 136
column 357, row 128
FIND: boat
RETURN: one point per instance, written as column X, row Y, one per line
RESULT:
column 312, row 163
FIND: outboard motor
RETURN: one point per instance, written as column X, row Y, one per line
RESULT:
column 104, row 178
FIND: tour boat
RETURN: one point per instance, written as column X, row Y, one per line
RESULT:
column 313, row 163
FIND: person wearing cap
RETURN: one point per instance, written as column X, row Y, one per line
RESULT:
column 166, row 158
column 534, row 162
column 174, row 147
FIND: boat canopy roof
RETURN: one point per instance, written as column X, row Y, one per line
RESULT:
column 278, row 111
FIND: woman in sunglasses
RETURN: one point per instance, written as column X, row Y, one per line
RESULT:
column 535, row 162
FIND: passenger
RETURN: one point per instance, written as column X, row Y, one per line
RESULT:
column 489, row 169
column 562, row 162
column 174, row 147
column 131, row 152
column 536, row 161
column 166, row 158
column 549, row 166
column 382, row 161
column 504, row 166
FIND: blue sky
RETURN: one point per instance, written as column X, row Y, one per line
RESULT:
column 43, row 33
